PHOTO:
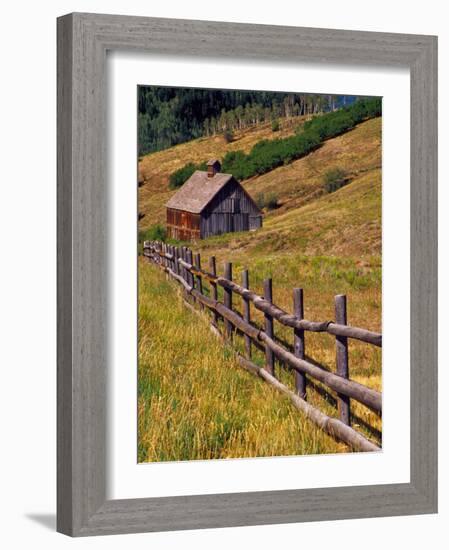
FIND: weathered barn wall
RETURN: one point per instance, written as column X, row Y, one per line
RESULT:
column 183, row 226
column 255, row 222
column 210, row 205
column 230, row 210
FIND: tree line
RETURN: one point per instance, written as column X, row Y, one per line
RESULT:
column 168, row 116
column 252, row 114
column 269, row 154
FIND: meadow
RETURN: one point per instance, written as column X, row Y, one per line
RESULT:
column 194, row 400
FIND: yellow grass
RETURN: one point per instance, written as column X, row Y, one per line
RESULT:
column 327, row 244
column 357, row 152
column 195, row 402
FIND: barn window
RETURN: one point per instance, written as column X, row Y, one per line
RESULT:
column 235, row 206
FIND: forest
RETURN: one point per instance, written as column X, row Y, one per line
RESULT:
column 168, row 116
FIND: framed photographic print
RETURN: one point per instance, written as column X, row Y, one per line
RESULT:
column 246, row 274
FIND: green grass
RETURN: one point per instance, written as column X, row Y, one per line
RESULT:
column 195, row 402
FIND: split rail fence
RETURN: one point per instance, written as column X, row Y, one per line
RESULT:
column 185, row 267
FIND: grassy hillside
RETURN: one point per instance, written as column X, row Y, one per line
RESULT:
column 357, row 152
column 195, row 402
column 156, row 168
column 327, row 244
column 346, row 223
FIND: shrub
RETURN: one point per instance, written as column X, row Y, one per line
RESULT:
column 275, row 126
column 260, row 201
column 272, row 201
column 228, row 136
column 236, row 163
column 179, row 177
column 334, row 179
column 337, row 122
column 331, row 124
column 154, row 233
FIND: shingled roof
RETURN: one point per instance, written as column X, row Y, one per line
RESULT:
column 198, row 191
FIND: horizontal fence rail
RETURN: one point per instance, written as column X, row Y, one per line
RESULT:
column 185, row 268
column 282, row 316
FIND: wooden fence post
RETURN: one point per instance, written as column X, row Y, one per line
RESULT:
column 175, row 260
column 228, row 298
column 246, row 312
column 172, row 261
column 186, row 275
column 299, row 341
column 189, row 274
column 342, row 357
column 179, row 256
column 268, row 295
column 183, row 257
column 213, row 271
column 199, row 281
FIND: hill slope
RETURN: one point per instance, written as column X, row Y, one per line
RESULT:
column 358, row 152
column 194, row 400
column 155, row 168
column 308, row 220
column 327, row 244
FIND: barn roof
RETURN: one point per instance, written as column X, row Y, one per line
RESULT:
column 198, row 191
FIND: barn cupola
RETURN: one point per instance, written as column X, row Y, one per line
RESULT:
column 213, row 167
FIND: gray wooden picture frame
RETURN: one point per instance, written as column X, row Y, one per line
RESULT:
column 83, row 40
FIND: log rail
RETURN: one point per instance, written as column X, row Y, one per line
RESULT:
column 179, row 264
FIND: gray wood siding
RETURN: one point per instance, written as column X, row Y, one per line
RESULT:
column 230, row 210
column 255, row 222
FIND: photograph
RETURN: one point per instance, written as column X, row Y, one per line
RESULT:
column 259, row 273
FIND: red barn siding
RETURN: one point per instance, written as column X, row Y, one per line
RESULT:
column 183, row 226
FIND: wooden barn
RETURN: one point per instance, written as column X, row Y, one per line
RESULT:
column 211, row 203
